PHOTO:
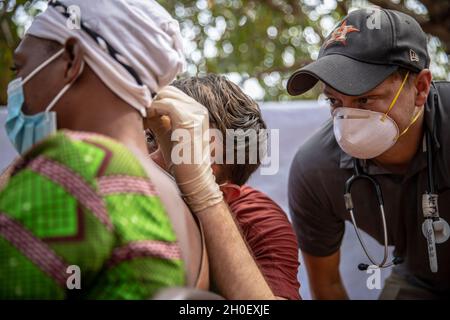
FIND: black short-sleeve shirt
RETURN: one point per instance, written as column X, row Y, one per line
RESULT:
column 316, row 188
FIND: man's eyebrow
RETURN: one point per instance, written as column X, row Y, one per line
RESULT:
column 327, row 92
column 374, row 94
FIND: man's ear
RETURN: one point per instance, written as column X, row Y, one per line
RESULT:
column 73, row 56
column 422, row 85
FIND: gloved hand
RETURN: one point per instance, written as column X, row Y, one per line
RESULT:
column 174, row 110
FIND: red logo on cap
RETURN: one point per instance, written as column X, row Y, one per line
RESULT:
column 340, row 34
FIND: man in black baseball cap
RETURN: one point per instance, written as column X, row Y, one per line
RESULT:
column 366, row 48
column 390, row 131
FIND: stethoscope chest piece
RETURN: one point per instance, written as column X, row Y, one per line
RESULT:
column 433, row 222
column 441, row 230
column 435, row 229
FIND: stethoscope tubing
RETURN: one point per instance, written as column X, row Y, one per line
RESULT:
column 383, row 263
column 428, row 223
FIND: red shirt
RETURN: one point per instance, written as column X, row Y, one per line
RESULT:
column 269, row 235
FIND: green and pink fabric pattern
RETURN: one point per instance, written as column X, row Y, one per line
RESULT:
column 83, row 199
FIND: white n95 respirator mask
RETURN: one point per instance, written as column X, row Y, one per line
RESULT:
column 363, row 134
column 366, row 134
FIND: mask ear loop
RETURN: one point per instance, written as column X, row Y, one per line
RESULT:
column 396, row 97
column 42, row 66
column 412, row 122
column 64, row 90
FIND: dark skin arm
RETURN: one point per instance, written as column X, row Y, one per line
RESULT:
column 324, row 277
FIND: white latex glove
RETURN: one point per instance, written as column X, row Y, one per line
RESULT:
column 173, row 110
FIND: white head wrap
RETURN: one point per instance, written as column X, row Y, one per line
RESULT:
column 144, row 35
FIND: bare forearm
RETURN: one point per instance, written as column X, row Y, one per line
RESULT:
column 324, row 276
column 333, row 291
column 233, row 269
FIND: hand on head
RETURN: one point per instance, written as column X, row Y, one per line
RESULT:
column 173, row 113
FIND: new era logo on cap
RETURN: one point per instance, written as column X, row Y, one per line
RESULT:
column 413, row 56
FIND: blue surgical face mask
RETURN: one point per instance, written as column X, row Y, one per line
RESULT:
column 24, row 131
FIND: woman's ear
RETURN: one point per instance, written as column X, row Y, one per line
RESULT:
column 73, row 56
column 422, row 85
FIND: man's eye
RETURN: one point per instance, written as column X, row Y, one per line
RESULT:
column 363, row 100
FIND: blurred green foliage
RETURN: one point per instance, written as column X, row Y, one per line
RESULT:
column 261, row 42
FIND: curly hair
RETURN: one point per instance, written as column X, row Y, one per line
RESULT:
column 229, row 108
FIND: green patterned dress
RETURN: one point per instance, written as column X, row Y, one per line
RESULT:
column 84, row 200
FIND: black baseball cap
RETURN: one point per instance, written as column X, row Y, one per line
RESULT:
column 366, row 47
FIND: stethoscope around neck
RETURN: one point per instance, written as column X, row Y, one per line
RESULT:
column 434, row 228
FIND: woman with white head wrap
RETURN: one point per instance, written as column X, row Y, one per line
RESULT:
column 89, row 197
column 142, row 35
